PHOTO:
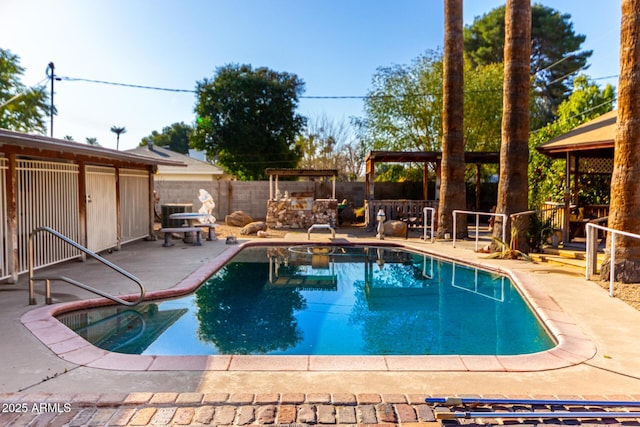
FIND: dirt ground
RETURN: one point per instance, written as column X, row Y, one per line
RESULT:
column 627, row 292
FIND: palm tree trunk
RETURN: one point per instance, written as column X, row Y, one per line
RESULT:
column 452, row 186
column 514, row 151
column 624, row 213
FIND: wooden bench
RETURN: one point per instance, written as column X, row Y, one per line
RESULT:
column 320, row 227
column 212, row 230
column 168, row 231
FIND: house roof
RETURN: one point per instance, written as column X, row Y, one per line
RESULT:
column 193, row 166
column 596, row 137
column 43, row 146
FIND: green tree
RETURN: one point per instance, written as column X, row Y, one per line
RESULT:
column 624, row 211
column 555, row 54
column 22, row 109
column 513, row 185
column 452, row 188
column 118, row 130
column 403, row 110
column 247, row 118
column 175, row 137
column 547, row 175
column 92, row 141
column 330, row 144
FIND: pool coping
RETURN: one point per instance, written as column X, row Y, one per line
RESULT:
column 573, row 346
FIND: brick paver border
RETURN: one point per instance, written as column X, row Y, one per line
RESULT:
column 269, row 409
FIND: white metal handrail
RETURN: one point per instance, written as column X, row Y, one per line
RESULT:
column 48, row 279
column 433, row 222
column 478, row 214
column 592, row 252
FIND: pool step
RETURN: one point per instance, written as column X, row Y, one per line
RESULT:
column 565, row 257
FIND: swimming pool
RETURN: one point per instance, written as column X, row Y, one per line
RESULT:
column 327, row 300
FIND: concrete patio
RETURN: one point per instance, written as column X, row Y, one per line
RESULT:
column 31, row 368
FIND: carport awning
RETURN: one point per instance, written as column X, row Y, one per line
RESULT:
column 38, row 145
column 594, row 138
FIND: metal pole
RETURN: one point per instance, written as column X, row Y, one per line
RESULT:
column 587, row 270
column 32, row 297
column 536, row 415
column 504, row 229
column 612, row 264
column 477, row 230
column 454, row 401
column 454, row 229
column 52, row 76
column 47, row 284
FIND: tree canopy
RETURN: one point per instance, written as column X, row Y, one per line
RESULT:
column 403, row 110
column 22, row 109
column 246, row 117
column 555, row 54
column 546, row 175
column 175, row 137
column 330, row 144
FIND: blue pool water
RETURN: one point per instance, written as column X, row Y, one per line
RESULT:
column 327, row 301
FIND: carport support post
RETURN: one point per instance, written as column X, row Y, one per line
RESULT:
column 82, row 207
column 152, row 203
column 13, row 261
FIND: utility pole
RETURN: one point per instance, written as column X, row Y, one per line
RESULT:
column 51, row 75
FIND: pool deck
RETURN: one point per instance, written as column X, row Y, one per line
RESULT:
column 598, row 352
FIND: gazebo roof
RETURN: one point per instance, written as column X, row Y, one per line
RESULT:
column 595, row 138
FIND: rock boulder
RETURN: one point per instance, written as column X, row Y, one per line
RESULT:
column 238, row 219
column 253, row 227
column 395, row 228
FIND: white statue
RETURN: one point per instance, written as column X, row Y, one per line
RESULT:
column 207, row 207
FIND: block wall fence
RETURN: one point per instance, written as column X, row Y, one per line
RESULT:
column 251, row 196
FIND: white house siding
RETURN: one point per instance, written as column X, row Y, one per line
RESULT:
column 47, row 195
column 134, row 204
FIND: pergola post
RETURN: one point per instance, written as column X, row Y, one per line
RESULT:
column 567, row 200
column 425, row 181
column 333, row 192
column 369, row 192
column 478, row 186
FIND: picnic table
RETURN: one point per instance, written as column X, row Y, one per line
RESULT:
column 192, row 225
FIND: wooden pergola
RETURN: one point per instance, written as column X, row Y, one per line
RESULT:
column 292, row 172
column 587, row 149
column 425, row 157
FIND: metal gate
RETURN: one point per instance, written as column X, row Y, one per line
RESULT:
column 102, row 219
column 134, row 204
column 46, row 195
column 4, row 249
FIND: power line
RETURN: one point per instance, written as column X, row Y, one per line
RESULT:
column 383, row 96
column 77, row 79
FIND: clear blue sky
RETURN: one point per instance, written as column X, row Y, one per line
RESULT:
column 334, row 46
